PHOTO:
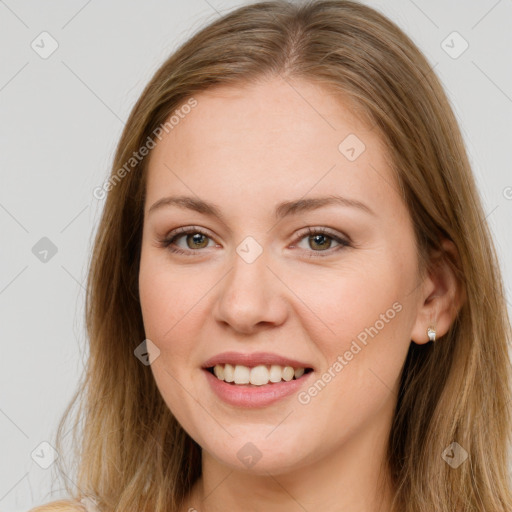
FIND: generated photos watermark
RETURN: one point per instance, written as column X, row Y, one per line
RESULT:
column 100, row 192
column 305, row 397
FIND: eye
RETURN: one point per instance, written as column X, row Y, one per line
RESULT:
column 196, row 239
column 322, row 238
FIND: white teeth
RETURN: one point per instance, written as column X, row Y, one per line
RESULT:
column 276, row 372
column 218, row 370
column 299, row 372
column 229, row 372
column 242, row 374
column 257, row 375
column 288, row 373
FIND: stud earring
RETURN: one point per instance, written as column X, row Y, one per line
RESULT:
column 431, row 333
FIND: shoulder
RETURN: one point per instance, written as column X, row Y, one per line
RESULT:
column 62, row 506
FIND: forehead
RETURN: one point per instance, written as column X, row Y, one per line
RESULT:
column 270, row 141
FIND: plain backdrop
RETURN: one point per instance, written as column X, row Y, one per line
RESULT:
column 60, row 118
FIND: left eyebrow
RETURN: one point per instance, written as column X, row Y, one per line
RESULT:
column 301, row 205
column 284, row 209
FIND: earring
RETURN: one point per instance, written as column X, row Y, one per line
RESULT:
column 431, row 333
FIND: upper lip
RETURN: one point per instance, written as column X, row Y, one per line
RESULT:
column 253, row 359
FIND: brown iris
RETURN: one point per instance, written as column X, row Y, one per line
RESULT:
column 196, row 240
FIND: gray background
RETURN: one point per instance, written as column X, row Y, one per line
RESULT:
column 60, row 119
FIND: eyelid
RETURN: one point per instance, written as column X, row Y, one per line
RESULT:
column 343, row 240
column 168, row 239
column 189, row 229
column 313, row 230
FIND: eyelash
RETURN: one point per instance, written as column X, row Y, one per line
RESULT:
column 167, row 242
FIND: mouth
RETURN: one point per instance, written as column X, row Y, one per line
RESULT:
column 259, row 375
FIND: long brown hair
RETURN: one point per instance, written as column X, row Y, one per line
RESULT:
column 131, row 454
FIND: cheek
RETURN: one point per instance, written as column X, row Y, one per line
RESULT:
column 362, row 358
column 363, row 316
column 340, row 303
column 167, row 296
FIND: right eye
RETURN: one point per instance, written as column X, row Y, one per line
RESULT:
column 192, row 234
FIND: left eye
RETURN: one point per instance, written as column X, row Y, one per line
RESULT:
column 197, row 239
column 321, row 240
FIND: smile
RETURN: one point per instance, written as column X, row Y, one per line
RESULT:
column 259, row 375
column 248, row 395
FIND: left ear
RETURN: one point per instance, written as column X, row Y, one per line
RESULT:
column 442, row 295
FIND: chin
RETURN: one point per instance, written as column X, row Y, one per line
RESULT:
column 255, row 451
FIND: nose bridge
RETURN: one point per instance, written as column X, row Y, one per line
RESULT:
column 248, row 295
column 248, row 280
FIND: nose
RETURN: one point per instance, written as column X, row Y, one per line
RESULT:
column 251, row 296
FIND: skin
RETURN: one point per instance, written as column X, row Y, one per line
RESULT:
column 246, row 149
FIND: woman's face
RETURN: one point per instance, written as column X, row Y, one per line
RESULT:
column 251, row 279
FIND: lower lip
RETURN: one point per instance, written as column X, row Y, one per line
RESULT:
column 251, row 396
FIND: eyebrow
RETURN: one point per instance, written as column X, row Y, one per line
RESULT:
column 284, row 209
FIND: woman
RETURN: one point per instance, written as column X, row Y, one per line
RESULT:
column 294, row 302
